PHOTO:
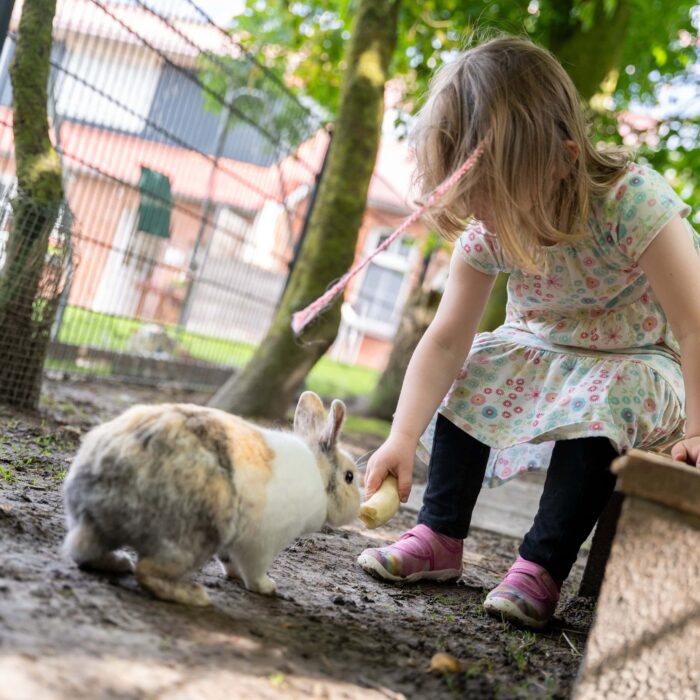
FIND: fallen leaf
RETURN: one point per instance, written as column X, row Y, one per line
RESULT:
column 444, row 663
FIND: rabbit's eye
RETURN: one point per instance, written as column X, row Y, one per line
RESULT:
column 349, row 476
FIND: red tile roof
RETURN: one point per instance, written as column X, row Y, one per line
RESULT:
column 241, row 185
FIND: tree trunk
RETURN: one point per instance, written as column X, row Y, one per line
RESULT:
column 29, row 287
column 267, row 385
column 589, row 56
column 420, row 311
column 589, row 53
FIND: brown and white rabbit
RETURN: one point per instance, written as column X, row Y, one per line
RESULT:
column 180, row 483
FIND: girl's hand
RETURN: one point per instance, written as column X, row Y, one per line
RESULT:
column 687, row 451
column 395, row 457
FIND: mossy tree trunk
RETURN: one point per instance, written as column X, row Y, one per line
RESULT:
column 267, row 385
column 26, row 313
column 418, row 314
column 588, row 55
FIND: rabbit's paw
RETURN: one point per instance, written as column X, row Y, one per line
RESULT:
column 176, row 591
column 194, row 594
column 112, row 562
column 264, row 585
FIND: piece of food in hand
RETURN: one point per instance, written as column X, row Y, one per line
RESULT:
column 383, row 504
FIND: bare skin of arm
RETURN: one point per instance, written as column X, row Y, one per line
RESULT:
column 435, row 363
column 673, row 267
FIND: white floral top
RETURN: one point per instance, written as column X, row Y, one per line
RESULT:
column 585, row 349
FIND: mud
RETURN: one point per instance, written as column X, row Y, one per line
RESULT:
column 333, row 632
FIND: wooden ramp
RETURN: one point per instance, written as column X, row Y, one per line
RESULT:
column 645, row 641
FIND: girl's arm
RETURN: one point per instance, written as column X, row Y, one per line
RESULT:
column 672, row 265
column 432, row 369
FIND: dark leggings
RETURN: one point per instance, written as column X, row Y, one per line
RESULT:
column 578, row 486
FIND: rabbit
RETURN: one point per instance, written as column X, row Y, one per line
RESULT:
column 180, row 483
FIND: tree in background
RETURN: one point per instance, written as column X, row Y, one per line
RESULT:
column 31, row 278
column 629, row 47
column 267, row 384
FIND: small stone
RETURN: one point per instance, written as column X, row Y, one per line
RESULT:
column 71, row 432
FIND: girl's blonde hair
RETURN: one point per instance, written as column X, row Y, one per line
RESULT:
column 537, row 191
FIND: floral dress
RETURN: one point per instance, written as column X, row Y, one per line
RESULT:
column 585, row 349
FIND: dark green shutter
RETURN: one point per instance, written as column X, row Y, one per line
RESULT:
column 156, row 203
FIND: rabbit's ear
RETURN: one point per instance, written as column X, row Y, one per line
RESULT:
column 309, row 416
column 334, row 423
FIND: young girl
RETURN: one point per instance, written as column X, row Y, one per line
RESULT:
column 600, row 348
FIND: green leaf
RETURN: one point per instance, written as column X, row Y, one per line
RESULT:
column 660, row 55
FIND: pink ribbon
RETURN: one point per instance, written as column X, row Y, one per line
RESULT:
column 302, row 318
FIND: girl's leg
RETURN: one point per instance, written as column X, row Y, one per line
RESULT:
column 433, row 549
column 455, row 475
column 579, row 483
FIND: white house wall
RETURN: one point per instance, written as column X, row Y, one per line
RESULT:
column 129, row 78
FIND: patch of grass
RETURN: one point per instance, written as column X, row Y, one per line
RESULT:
column 94, row 369
column 338, row 381
column 47, row 443
column 452, row 685
column 476, row 669
column 358, row 425
column 217, row 350
column 443, row 599
column 519, row 644
column 7, row 475
column 87, row 328
column 97, row 330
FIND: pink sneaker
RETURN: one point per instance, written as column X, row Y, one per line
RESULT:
column 420, row 553
column 527, row 595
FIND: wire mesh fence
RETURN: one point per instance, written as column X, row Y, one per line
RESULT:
column 189, row 168
column 37, row 260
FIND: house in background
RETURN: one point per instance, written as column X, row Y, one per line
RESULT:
column 127, row 113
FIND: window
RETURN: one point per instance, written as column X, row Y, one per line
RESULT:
column 179, row 108
column 380, row 294
column 402, row 246
column 381, row 288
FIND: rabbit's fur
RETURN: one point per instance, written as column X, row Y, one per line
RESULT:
column 180, row 483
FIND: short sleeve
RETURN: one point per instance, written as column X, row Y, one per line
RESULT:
column 639, row 206
column 481, row 250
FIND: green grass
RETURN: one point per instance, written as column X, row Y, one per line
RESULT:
column 94, row 369
column 7, row 475
column 97, row 330
column 366, row 426
column 339, row 381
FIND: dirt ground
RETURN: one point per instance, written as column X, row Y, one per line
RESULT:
column 333, row 632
